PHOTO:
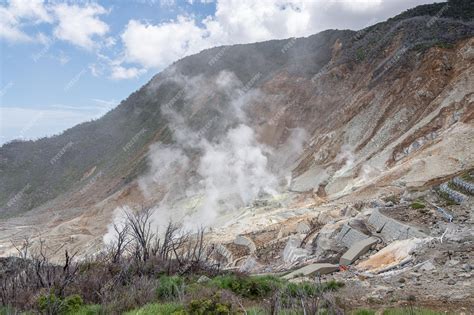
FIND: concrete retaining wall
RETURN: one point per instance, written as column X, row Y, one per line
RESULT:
column 391, row 229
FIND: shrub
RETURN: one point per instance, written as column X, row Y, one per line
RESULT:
column 50, row 303
column 363, row 312
column 248, row 287
column 210, row 306
column 170, row 288
column 73, row 303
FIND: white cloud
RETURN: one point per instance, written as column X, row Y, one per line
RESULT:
column 80, row 25
column 119, row 72
column 159, row 45
column 17, row 14
column 245, row 21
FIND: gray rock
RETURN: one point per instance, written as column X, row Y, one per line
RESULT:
column 452, row 262
column 451, row 282
column 428, row 266
column 467, row 267
column 203, row 279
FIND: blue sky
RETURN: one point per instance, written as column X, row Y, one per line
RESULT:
column 64, row 62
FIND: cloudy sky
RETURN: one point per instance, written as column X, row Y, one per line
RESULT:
column 64, row 62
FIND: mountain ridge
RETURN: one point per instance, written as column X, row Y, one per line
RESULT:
column 318, row 83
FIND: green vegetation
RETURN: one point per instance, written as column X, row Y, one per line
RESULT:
column 50, row 303
column 212, row 297
column 457, row 9
column 88, row 310
column 211, row 306
column 409, row 310
column 447, row 200
column 444, row 45
column 467, row 176
column 248, row 287
column 156, row 308
column 417, row 205
column 360, row 54
column 397, row 311
column 170, row 288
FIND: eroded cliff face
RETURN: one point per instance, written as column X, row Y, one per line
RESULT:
column 409, row 126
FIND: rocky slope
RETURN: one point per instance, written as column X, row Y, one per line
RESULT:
column 339, row 119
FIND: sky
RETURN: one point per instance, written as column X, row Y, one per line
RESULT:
column 66, row 62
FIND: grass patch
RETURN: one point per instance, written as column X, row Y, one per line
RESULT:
column 412, row 311
column 156, row 308
column 417, row 205
column 88, row 310
column 363, row 312
column 255, row 311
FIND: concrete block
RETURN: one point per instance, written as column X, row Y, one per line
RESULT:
column 349, row 236
column 313, row 269
column 357, row 250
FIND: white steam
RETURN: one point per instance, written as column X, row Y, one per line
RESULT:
column 215, row 163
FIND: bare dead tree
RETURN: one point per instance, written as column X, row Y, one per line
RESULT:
column 169, row 241
column 121, row 242
column 23, row 248
column 140, row 231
